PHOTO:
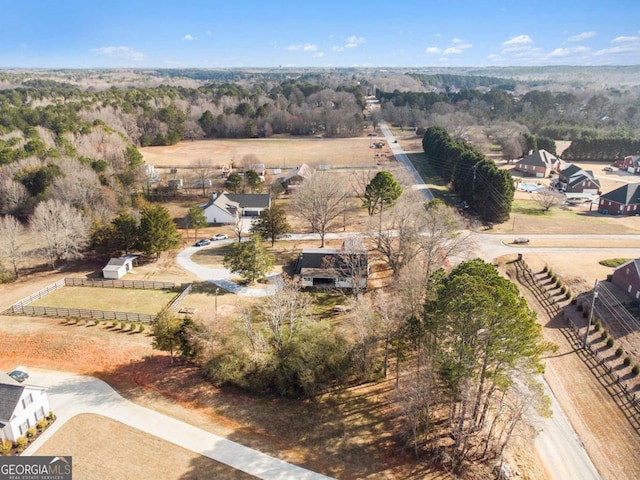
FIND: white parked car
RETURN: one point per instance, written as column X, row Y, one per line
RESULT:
column 220, row 236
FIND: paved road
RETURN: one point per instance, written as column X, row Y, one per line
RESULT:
column 560, row 448
column 70, row 395
column 402, row 158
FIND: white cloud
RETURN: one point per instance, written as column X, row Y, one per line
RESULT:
column 521, row 42
column 319, row 54
column 565, row 52
column 457, row 40
column 432, row 50
column 582, row 36
column 126, row 53
column 351, row 42
column 452, row 51
column 189, row 38
column 307, row 47
column 625, row 39
column 620, row 49
column 355, row 40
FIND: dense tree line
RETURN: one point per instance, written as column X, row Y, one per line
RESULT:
column 608, row 149
column 474, row 178
column 463, row 82
column 565, row 115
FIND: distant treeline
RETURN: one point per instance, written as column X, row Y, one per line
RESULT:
column 475, row 179
column 463, row 82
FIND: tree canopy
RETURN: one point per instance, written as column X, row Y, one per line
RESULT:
column 158, row 231
column 271, row 223
column 249, row 259
column 383, row 190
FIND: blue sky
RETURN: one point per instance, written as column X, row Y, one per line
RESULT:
column 233, row 34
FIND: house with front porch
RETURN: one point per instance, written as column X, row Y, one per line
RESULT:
column 346, row 267
column 228, row 208
column 21, row 407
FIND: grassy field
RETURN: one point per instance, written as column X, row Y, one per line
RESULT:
column 111, row 299
column 276, row 152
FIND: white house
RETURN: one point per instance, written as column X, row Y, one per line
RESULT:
column 118, row 267
column 226, row 208
column 21, row 406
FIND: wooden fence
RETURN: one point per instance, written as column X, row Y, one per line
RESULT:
column 23, row 308
column 17, row 307
column 140, row 284
column 84, row 313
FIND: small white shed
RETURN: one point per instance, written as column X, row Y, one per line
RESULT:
column 118, row 267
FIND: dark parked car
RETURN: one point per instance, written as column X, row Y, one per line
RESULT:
column 18, row 375
column 203, row 242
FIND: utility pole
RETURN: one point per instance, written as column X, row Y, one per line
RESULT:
column 216, row 304
column 593, row 302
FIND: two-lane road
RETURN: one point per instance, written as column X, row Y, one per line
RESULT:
column 401, row 157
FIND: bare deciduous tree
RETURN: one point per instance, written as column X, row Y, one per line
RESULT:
column 320, row 200
column 10, row 243
column 547, row 198
column 284, row 310
column 441, row 237
column 202, row 171
column 65, row 233
column 12, row 195
column 398, row 236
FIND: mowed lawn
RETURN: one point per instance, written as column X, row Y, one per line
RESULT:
column 110, row 299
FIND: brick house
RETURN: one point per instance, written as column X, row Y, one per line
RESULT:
column 624, row 200
column 537, row 164
column 627, row 277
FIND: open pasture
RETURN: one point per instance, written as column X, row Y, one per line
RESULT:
column 110, row 299
column 275, row 152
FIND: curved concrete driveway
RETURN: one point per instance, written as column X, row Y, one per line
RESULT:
column 220, row 276
column 70, row 395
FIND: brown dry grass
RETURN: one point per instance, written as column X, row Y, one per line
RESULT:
column 95, row 441
column 280, row 152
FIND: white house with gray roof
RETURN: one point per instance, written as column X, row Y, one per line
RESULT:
column 21, row 406
column 227, row 208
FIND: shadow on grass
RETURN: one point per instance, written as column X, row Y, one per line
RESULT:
column 345, row 434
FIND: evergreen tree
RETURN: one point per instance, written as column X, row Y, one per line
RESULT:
column 158, row 231
column 272, row 223
column 249, row 259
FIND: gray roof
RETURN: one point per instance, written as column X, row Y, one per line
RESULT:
column 10, row 393
column 327, row 258
column 314, row 257
column 625, row 195
column 302, row 171
column 539, row 158
column 250, row 200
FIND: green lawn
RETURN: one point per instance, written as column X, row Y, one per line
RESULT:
column 109, row 299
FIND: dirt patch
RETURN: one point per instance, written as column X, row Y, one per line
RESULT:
column 95, row 441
